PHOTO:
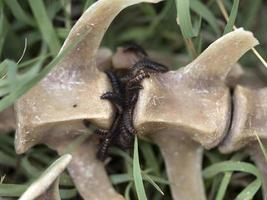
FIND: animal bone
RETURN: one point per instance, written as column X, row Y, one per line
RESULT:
column 53, row 110
column 249, row 120
column 87, row 172
column 46, row 186
column 183, row 109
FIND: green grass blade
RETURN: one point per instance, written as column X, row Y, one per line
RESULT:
column 53, row 8
column 45, row 25
column 184, row 18
column 29, row 169
column 148, row 10
column 120, row 178
column 19, row 13
column 12, row 190
column 231, row 21
column 227, row 177
column 223, row 186
column 65, row 180
column 150, row 180
column 197, row 26
column 249, row 191
column 157, row 179
column 33, row 60
column 7, row 160
column 136, row 34
column 68, row 193
column 7, row 149
column 253, row 8
column 3, row 71
column 138, row 182
column 3, row 30
column 203, row 11
column 229, row 166
column 150, row 157
column 127, row 191
column 11, row 74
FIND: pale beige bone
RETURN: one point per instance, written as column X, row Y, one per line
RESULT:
column 46, row 186
column 104, row 59
column 234, row 76
column 54, row 109
column 7, row 116
column 87, row 172
column 192, row 101
column 183, row 161
column 75, row 81
column 249, row 119
column 124, row 60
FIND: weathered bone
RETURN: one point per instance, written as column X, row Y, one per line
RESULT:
column 249, row 119
column 46, row 186
column 71, row 90
column 87, row 172
column 54, row 109
column 192, row 103
column 104, row 59
column 7, row 116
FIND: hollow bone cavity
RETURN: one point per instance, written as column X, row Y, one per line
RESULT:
column 46, row 186
column 70, row 93
column 191, row 107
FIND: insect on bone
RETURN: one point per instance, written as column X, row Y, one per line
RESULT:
column 124, row 97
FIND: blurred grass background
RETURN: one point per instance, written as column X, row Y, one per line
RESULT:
column 31, row 34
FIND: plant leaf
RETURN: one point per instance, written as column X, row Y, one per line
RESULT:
column 202, row 10
column 231, row 21
column 138, row 181
column 19, row 13
column 45, row 25
column 184, row 18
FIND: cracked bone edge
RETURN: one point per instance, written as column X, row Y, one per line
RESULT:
column 249, row 120
column 193, row 102
column 72, row 89
column 46, row 186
